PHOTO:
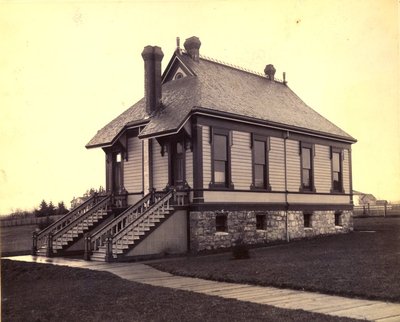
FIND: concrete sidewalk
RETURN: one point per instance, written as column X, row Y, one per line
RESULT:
column 283, row 298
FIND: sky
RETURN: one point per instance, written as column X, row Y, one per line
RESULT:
column 68, row 68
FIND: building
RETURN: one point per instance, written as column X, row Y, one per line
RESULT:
column 212, row 156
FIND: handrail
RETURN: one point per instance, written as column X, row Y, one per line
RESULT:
column 78, row 220
column 144, row 216
column 124, row 219
column 121, row 217
column 72, row 217
column 59, row 223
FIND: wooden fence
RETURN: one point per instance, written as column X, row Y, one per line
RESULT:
column 26, row 220
column 377, row 210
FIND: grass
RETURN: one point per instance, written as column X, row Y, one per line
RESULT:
column 362, row 264
column 16, row 240
column 40, row 292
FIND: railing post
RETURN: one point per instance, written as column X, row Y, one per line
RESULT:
column 49, row 246
column 34, row 243
column 109, row 253
column 88, row 248
column 152, row 196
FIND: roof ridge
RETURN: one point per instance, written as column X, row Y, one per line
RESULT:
column 243, row 69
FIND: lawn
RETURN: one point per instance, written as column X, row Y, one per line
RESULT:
column 40, row 292
column 365, row 263
column 16, row 240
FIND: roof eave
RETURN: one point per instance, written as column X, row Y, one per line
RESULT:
column 130, row 125
column 280, row 126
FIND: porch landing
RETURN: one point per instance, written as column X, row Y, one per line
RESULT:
column 283, row 298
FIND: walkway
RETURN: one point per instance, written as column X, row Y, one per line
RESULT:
column 283, row 298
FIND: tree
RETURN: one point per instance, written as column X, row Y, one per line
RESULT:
column 50, row 209
column 61, row 210
column 43, row 209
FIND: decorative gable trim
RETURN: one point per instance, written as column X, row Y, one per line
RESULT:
column 174, row 66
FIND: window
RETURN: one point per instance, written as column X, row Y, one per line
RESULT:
column 307, row 181
column 338, row 218
column 178, row 75
column 307, row 220
column 220, row 158
column 260, row 160
column 260, row 222
column 337, row 168
column 220, row 223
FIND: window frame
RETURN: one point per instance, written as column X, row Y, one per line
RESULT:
column 228, row 185
column 221, row 228
column 338, row 218
column 310, row 146
column 309, row 219
column 263, row 222
column 265, row 139
column 341, row 156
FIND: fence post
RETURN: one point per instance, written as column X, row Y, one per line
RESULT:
column 385, row 209
column 88, row 249
column 34, row 243
column 369, row 209
column 49, row 248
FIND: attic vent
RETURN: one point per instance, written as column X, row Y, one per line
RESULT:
column 178, row 75
column 270, row 71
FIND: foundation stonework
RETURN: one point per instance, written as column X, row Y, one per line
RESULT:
column 241, row 226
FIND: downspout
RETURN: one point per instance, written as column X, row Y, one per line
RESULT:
column 143, row 193
column 285, row 136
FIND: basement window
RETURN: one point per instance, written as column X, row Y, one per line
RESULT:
column 221, row 223
column 307, row 220
column 338, row 218
column 260, row 222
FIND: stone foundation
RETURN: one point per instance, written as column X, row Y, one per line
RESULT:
column 241, row 226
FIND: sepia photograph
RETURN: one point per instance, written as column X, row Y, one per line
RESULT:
column 187, row 160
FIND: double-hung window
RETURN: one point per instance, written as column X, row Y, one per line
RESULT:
column 307, row 177
column 260, row 162
column 337, row 170
column 220, row 158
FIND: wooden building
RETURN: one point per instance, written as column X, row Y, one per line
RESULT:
column 211, row 156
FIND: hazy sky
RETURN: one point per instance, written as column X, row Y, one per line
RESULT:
column 68, row 68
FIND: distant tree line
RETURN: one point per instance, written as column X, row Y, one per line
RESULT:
column 47, row 209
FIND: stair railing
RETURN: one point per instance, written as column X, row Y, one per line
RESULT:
column 40, row 238
column 99, row 238
column 161, row 205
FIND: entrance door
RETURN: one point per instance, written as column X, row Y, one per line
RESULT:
column 117, row 173
column 178, row 164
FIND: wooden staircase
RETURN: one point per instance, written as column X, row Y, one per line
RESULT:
column 55, row 239
column 121, row 235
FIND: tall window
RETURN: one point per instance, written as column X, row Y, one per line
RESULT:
column 337, row 175
column 306, row 168
column 220, row 155
column 259, row 164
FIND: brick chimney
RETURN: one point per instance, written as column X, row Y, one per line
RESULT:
column 152, row 56
column 270, row 71
column 192, row 46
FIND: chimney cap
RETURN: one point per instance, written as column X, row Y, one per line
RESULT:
column 192, row 46
column 270, row 71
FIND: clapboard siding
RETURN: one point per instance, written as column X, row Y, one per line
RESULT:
column 322, row 169
column 133, row 166
column 241, row 160
column 160, row 167
column 277, row 164
column 206, row 156
column 346, row 171
column 189, row 167
column 293, row 165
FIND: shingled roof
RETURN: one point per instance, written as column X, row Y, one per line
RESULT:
column 220, row 88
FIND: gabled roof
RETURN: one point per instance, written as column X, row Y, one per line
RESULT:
column 222, row 89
